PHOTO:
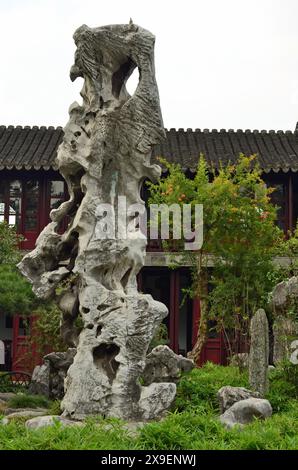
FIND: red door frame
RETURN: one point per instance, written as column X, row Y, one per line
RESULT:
column 24, row 354
column 174, row 311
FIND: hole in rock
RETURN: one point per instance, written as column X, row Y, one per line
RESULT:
column 98, row 330
column 101, row 102
column 133, row 81
column 85, row 310
column 69, row 249
column 104, row 358
column 120, row 77
column 77, row 134
column 90, row 326
column 102, row 307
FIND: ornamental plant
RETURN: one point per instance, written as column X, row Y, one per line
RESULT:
column 240, row 236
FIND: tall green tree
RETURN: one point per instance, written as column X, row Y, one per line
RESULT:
column 240, row 236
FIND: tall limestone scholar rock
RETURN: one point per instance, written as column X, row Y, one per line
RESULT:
column 259, row 352
column 105, row 153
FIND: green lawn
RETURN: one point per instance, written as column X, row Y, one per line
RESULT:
column 192, row 424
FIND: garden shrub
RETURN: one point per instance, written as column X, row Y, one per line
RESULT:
column 198, row 388
column 22, row 400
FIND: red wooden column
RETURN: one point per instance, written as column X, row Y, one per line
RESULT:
column 290, row 203
column 24, row 354
column 174, row 311
column 196, row 313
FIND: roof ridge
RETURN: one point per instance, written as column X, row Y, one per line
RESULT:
column 235, row 131
column 11, row 126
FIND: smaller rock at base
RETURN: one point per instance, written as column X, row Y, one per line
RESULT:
column 45, row 421
column 22, row 414
column 244, row 412
column 156, row 399
column 6, row 396
column 163, row 365
column 228, row 395
column 9, row 411
column 40, row 381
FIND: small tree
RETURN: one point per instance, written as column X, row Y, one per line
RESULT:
column 239, row 233
column 16, row 296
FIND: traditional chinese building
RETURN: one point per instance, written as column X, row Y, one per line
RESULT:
column 30, row 186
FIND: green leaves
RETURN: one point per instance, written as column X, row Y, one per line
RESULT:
column 16, row 296
column 239, row 231
column 9, row 241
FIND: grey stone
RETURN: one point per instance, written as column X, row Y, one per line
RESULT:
column 105, row 153
column 40, row 381
column 10, row 411
column 23, row 414
column 283, row 331
column 294, row 352
column 228, row 395
column 163, row 365
column 240, row 360
column 6, row 396
column 156, row 399
column 46, row 421
column 245, row 411
column 283, row 293
column 259, row 353
column 48, row 379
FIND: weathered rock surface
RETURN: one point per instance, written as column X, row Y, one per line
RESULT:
column 294, row 352
column 163, row 365
column 284, row 327
column 26, row 413
column 104, row 156
column 155, row 399
column 40, row 380
column 6, row 396
column 245, row 411
column 259, row 353
column 48, row 379
column 45, row 421
column 283, row 293
column 228, row 395
column 10, row 411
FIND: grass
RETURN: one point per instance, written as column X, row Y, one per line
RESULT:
column 23, row 400
column 192, row 424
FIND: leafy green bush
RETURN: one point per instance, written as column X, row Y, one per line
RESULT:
column 283, row 387
column 9, row 241
column 16, row 296
column 22, row 400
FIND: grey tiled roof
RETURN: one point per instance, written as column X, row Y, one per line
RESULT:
column 36, row 147
column 276, row 150
column 29, row 147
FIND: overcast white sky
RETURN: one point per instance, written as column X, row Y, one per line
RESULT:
column 219, row 63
